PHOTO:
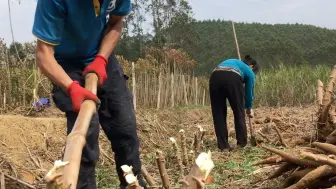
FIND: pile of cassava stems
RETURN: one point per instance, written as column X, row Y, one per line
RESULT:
column 313, row 166
column 198, row 174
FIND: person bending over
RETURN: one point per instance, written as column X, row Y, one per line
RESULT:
column 227, row 82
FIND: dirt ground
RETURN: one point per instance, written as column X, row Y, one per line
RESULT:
column 30, row 144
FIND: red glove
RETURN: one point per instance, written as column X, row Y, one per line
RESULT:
column 98, row 66
column 78, row 94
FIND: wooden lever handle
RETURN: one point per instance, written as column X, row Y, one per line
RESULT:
column 77, row 138
column 91, row 82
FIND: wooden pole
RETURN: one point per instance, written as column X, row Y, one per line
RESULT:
column 75, row 142
column 134, row 87
column 159, row 91
column 196, row 91
column 4, row 101
column 236, row 41
column 172, row 90
column 203, row 97
column 185, row 90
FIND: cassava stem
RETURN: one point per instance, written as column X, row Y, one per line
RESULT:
column 162, row 169
column 147, row 176
column 178, row 155
column 319, row 92
column 325, row 147
column 270, row 160
column 319, row 158
column 285, row 167
column 184, row 147
column 312, row 177
column 291, row 158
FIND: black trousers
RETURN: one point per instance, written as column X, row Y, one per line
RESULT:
column 227, row 85
column 116, row 116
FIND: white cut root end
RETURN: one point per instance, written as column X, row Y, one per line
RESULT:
column 205, row 163
column 53, row 173
column 172, row 139
column 129, row 176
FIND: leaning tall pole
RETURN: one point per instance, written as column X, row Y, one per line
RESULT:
column 236, row 41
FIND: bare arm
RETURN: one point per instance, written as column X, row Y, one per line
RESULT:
column 111, row 35
column 49, row 67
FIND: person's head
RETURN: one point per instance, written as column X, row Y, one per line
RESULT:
column 252, row 63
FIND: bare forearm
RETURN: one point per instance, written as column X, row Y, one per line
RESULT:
column 53, row 70
column 110, row 39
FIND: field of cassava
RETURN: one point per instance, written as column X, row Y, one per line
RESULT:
column 294, row 124
column 287, row 155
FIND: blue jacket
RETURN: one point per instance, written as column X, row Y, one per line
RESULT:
column 248, row 77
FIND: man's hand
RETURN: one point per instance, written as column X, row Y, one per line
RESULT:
column 78, row 94
column 250, row 113
column 98, row 66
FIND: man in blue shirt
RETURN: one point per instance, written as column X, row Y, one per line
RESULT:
column 227, row 82
column 77, row 37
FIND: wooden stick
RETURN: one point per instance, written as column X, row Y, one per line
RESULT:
column 2, row 181
column 148, row 177
column 162, row 169
column 280, row 136
column 265, row 137
column 196, row 91
column 332, row 115
column 134, row 85
column 184, row 147
column 185, row 90
column 172, row 90
column 326, row 102
column 319, row 92
column 203, row 101
column 105, row 154
column 19, row 181
column 76, row 140
column 159, row 91
column 236, row 41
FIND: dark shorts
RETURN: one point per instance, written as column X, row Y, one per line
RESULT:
column 116, row 116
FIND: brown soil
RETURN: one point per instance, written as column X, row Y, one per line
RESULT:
column 30, row 145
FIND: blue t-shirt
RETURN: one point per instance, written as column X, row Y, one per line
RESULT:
column 75, row 27
column 248, row 78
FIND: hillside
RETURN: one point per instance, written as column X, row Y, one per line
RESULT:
column 290, row 44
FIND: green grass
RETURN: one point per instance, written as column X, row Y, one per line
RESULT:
column 106, row 177
column 237, row 166
column 289, row 86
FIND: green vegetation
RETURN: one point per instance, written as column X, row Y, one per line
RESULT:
column 289, row 86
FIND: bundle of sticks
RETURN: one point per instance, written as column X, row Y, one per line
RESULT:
column 311, row 166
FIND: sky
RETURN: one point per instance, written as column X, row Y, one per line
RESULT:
column 314, row 12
